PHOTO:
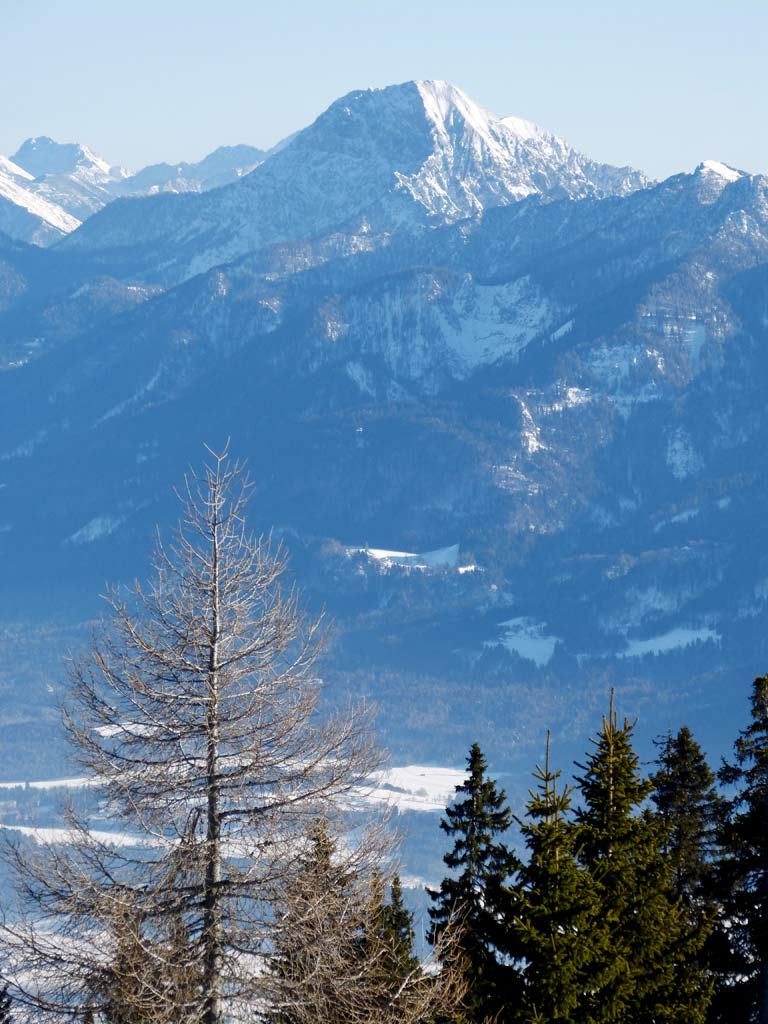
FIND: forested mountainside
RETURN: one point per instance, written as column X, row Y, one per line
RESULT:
column 502, row 403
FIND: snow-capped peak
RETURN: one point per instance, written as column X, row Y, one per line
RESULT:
column 417, row 153
column 479, row 159
column 42, row 156
column 442, row 101
column 720, row 169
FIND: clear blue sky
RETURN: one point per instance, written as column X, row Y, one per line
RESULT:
column 660, row 85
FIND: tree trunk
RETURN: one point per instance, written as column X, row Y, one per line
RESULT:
column 211, row 907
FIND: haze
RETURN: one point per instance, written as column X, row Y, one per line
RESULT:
column 658, row 86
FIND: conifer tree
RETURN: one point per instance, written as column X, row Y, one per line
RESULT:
column 691, row 810
column 743, row 994
column 476, row 898
column 342, row 956
column 392, row 928
column 556, row 907
column 309, row 930
column 645, row 970
column 692, row 813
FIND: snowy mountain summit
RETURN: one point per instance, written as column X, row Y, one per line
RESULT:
column 481, row 160
column 377, row 160
column 69, row 175
column 43, row 156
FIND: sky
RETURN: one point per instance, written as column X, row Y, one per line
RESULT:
column 657, row 85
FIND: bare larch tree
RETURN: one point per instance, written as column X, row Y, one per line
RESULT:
column 196, row 713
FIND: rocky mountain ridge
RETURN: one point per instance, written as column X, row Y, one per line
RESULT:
column 47, row 188
column 377, row 161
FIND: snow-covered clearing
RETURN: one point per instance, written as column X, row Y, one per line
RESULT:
column 527, row 638
column 440, row 558
column 75, row 783
column 413, row 787
column 675, row 639
column 48, row 835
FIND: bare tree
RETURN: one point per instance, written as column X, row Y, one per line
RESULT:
column 196, row 712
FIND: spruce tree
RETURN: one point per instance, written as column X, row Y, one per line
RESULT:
column 645, row 970
column 691, row 811
column 392, row 928
column 556, row 907
column 476, row 898
column 743, row 990
column 340, row 955
column 320, row 916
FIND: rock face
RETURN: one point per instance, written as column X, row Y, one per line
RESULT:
column 431, row 331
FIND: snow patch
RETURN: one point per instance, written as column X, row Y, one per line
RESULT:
column 13, row 170
column 81, row 782
column 440, row 558
column 50, row 836
column 527, row 130
column 675, row 639
column 489, row 322
column 362, row 377
column 682, row 458
column 566, row 328
column 527, row 638
column 720, row 169
column 50, row 213
column 682, row 517
column 412, row 787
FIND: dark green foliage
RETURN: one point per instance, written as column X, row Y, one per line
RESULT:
column 391, row 928
column 556, row 908
column 6, row 1005
column 691, row 811
column 476, row 897
column 743, row 991
column 645, row 970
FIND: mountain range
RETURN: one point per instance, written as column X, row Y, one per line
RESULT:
column 503, row 403
column 47, row 188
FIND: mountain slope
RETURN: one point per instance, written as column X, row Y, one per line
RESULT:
column 377, row 161
column 68, row 175
column 26, row 215
column 563, row 398
column 54, row 186
column 535, row 377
